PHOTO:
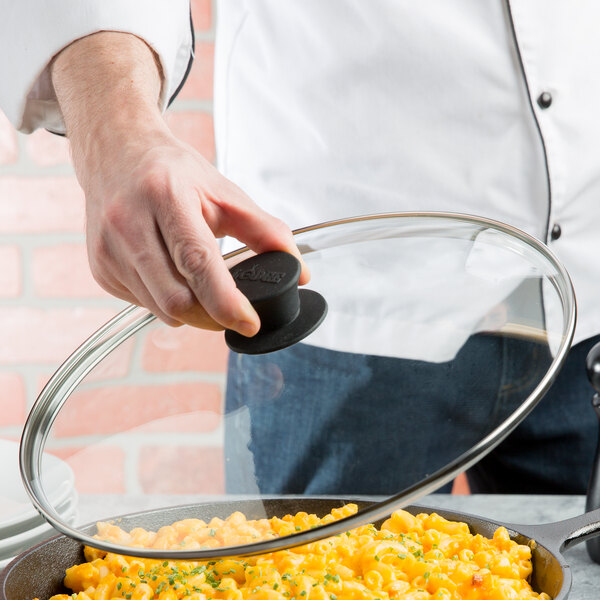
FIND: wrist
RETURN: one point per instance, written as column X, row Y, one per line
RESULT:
column 119, row 132
column 108, row 87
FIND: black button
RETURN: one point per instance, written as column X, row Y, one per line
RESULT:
column 556, row 232
column 544, row 100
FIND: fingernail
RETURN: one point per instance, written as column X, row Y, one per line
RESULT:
column 246, row 328
column 305, row 268
column 248, row 322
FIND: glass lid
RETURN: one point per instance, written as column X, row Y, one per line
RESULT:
column 424, row 340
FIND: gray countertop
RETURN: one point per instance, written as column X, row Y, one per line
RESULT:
column 526, row 510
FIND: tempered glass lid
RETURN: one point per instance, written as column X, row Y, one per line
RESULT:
column 442, row 333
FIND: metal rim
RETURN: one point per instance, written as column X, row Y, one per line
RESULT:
column 89, row 354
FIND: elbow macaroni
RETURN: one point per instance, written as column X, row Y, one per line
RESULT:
column 422, row 557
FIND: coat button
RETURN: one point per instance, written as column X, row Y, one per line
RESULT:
column 544, row 100
column 556, row 232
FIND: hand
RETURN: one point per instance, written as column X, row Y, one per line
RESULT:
column 154, row 208
column 154, row 205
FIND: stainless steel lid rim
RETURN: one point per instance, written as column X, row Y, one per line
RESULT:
column 56, row 392
column 132, row 319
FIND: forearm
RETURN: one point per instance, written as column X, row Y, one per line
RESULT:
column 108, row 86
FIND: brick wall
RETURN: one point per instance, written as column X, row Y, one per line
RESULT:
column 49, row 304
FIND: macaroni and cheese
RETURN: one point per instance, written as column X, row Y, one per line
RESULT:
column 422, row 557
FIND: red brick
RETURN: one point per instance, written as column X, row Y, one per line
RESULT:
column 196, row 129
column 181, row 470
column 98, row 469
column 171, row 408
column 47, row 149
column 115, row 365
column 201, row 14
column 13, row 401
column 41, row 204
column 10, row 271
column 63, row 271
column 460, row 486
column 46, row 336
column 199, row 84
column 9, row 150
column 184, row 349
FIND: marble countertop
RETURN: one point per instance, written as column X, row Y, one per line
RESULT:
column 526, row 510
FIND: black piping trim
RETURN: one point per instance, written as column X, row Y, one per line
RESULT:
column 539, row 130
column 190, row 61
column 185, row 75
column 537, row 123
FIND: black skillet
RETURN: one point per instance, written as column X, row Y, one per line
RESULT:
column 38, row 572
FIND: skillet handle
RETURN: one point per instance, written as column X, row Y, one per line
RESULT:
column 592, row 364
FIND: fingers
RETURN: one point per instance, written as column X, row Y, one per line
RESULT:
column 152, row 231
column 127, row 285
column 244, row 220
column 197, row 258
column 177, row 272
column 130, row 259
column 173, row 295
column 263, row 232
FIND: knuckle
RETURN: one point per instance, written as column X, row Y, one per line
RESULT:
column 192, row 259
column 98, row 249
column 101, row 280
column 98, row 260
column 154, row 185
column 177, row 304
column 277, row 231
column 116, row 220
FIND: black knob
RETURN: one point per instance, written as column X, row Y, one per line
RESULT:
column 287, row 314
column 592, row 366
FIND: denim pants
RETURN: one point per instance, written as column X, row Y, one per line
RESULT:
column 307, row 420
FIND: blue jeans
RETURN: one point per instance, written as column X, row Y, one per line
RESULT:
column 312, row 421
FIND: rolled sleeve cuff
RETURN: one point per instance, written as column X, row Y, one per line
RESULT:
column 35, row 31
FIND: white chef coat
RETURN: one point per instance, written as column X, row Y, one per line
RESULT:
column 331, row 109
column 32, row 32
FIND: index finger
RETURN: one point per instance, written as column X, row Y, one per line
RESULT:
column 239, row 216
column 197, row 257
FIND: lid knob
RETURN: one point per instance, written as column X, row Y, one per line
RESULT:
column 287, row 314
column 592, row 365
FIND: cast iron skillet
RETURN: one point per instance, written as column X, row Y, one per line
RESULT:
column 39, row 571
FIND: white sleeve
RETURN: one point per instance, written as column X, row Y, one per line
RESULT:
column 32, row 32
